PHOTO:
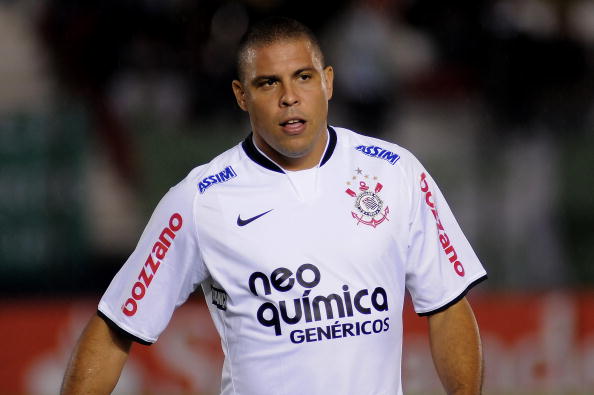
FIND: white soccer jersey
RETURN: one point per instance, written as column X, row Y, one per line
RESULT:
column 304, row 272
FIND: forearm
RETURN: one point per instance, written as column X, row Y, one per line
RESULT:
column 97, row 360
column 456, row 349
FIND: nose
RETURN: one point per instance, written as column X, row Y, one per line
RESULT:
column 289, row 97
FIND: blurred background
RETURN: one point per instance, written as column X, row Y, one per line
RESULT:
column 106, row 104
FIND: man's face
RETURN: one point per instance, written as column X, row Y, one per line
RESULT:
column 285, row 90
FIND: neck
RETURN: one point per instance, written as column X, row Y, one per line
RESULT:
column 308, row 160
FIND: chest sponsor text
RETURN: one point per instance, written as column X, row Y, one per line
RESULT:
column 332, row 316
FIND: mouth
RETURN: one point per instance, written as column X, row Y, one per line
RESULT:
column 292, row 121
column 293, row 125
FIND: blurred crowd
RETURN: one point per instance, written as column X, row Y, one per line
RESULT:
column 106, row 104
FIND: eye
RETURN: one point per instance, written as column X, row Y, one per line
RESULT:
column 267, row 82
column 304, row 77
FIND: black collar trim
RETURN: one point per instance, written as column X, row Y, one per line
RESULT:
column 331, row 145
column 255, row 155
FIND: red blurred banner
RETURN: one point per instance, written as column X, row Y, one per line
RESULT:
column 533, row 343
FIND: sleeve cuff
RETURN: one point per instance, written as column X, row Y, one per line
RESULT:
column 456, row 299
column 120, row 331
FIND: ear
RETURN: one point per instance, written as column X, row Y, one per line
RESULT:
column 329, row 77
column 239, row 94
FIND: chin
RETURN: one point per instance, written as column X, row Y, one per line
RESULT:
column 294, row 154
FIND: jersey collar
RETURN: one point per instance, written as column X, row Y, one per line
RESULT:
column 254, row 154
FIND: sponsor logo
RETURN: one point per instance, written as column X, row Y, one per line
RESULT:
column 244, row 222
column 446, row 245
column 150, row 267
column 368, row 204
column 378, row 152
column 309, row 308
column 225, row 175
column 219, row 298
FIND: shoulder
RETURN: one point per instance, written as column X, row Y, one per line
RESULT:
column 219, row 169
column 377, row 149
column 383, row 159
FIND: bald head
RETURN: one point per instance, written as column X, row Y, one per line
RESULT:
column 269, row 31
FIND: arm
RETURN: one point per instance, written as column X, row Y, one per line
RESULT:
column 456, row 349
column 97, row 360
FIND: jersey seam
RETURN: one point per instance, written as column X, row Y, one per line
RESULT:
column 417, row 204
column 196, row 236
column 410, row 184
column 226, row 343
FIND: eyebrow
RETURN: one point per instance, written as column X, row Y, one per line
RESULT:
column 304, row 69
column 258, row 78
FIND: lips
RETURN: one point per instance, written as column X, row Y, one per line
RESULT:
column 293, row 125
column 291, row 121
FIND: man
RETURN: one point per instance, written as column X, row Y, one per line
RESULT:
column 303, row 238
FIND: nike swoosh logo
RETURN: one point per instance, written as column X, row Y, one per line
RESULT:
column 244, row 222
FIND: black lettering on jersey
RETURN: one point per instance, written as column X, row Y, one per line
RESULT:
column 308, row 308
column 219, row 298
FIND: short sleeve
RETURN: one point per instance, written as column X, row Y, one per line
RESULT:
column 441, row 264
column 164, row 269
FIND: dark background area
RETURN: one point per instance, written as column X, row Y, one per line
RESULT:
column 106, row 104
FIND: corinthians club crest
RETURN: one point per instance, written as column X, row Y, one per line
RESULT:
column 368, row 204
